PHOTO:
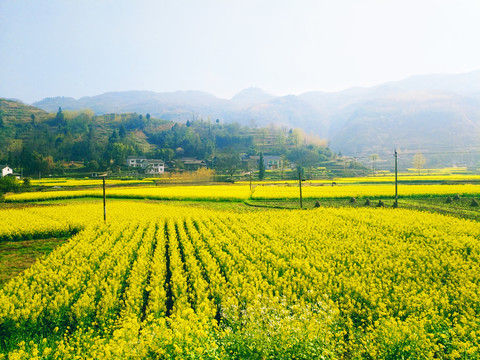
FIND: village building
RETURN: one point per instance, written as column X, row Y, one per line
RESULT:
column 150, row 166
column 193, row 164
column 154, row 166
column 135, row 161
column 271, row 162
column 6, row 170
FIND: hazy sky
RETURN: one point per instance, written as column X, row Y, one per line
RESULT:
column 88, row 47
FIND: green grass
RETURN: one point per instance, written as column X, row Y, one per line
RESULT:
column 16, row 256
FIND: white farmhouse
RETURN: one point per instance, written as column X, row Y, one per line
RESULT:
column 6, row 170
column 154, row 166
column 135, row 161
column 151, row 166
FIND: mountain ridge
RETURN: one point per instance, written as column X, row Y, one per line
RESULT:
column 348, row 119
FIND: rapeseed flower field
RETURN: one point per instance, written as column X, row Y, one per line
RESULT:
column 178, row 282
column 242, row 192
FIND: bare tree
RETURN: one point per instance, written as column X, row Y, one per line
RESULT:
column 419, row 161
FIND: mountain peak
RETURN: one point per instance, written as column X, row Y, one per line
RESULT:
column 251, row 96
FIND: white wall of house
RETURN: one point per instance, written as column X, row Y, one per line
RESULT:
column 134, row 161
column 151, row 166
column 155, row 167
column 6, row 170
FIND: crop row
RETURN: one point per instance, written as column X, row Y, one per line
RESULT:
column 178, row 282
column 242, row 192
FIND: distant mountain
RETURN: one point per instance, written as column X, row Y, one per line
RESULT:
column 179, row 106
column 251, row 96
column 467, row 84
column 285, row 111
column 420, row 112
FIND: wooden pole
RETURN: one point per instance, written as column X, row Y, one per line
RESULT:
column 396, row 180
column 104, row 203
column 300, row 185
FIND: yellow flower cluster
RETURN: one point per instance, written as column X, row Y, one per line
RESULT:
column 164, row 281
column 201, row 192
column 346, row 191
column 68, row 182
column 242, row 192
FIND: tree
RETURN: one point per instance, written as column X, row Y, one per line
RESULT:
column 419, row 161
column 8, row 184
column 261, row 168
column 122, row 132
column 114, row 137
column 141, row 123
column 165, row 154
column 33, row 119
column 304, row 157
column 374, row 158
column 119, row 153
column 296, row 136
column 229, row 163
column 60, row 117
column 92, row 165
column 91, row 143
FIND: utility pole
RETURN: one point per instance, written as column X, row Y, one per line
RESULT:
column 250, row 181
column 104, row 202
column 300, row 185
column 396, row 180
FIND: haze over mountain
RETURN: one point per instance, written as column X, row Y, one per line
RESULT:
column 416, row 114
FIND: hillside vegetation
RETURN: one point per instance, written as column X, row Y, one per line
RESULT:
column 436, row 114
column 54, row 143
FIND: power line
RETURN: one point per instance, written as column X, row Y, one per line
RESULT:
column 410, row 152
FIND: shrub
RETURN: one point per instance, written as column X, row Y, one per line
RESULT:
column 9, row 184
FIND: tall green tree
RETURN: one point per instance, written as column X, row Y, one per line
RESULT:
column 122, row 132
column 229, row 163
column 60, row 117
column 8, row 184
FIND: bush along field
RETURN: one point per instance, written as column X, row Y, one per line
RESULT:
column 177, row 282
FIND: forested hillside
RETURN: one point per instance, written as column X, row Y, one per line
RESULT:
column 434, row 114
column 55, row 143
